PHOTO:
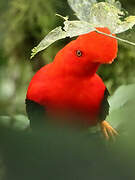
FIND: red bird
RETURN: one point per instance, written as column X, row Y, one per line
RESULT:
column 69, row 86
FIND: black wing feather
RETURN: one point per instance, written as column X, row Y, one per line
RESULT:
column 36, row 114
column 104, row 109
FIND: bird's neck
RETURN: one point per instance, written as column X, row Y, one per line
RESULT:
column 89, row 70
column 78, row 71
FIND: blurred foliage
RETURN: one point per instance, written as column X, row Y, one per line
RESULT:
column 54, row 155
column 23, row 24
column 27, row 22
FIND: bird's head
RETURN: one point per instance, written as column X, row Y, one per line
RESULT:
column 87, row 52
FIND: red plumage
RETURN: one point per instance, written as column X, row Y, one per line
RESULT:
column 70, row 83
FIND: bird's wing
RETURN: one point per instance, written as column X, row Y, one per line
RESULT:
column 36, row 114
column 104, row 108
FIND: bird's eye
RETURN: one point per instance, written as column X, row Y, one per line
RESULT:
column 78, row 53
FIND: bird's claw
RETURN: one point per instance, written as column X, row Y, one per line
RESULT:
column 107, row 130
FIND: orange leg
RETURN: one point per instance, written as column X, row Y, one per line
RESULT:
column 107, row 130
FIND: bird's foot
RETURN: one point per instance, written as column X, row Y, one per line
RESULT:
column 107, row 130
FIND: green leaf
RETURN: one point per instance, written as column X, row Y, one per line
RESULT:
column 122, row 105
column 76, row 28
column 105, row 15
column 51, row 37
column 128, row 23
column 70, row 29
column 82, row 8
column 102, row 14
column 122, row 95
column 91, row 15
